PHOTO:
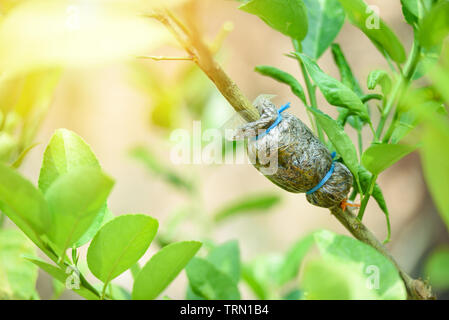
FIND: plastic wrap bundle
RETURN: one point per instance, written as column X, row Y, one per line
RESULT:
column 304, row 164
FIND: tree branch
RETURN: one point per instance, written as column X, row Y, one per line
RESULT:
column 192, row 42
column 416, row 289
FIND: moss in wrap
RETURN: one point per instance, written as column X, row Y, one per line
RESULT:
column 301, row 159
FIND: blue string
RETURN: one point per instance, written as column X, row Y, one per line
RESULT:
column 275, row 123
column 326, row 177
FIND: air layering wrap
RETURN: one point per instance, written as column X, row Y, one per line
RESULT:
column 302, row 162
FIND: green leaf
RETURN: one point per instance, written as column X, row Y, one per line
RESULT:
column 62, row 277
column 226, row 258
column 347, row 256
column 283, row 77
column 263, row 274
column 294, row 258
column 340, row 141
column 365, row 181
column 65, row 152
column 342, row 281
column 58, row 289
column 75, row 199
column 437, row 268
column 326, row 18
column 346, row 74
column 163, row 268
column 18, row 276
column 286, row 16
column 429, row 58
column 414, row 10
column 379, row 157
column 408, row 120
column 434, row 155
column 294, row 294
column 119, row 244
column 379, row 77
column 381, row 35
column 435, row 25
column 246, row 204
column 335, row 92
column 209, row 282
column 24, row 204
column 105, row 215
column 348, row 79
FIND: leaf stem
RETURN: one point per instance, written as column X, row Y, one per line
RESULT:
column 103, row 291
column 401, row 85
column 311, row 90
column 367, row 197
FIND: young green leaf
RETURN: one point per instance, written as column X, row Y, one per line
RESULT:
column 209, row 282
column 263, row 274
column 75, row 199
column 105, row 215
column 335, row 92
column 435, row 25
column 286, row 16
column 414, row 10
column 24, row 204
column 326, row 18
column 379, row 77
column 347, row 78
column 294, row 258
column 226, row 258
column 374, row 28
column 408, row 120
column 437, row 268
column 62, row 277
column 343, row 281
column 365, row 181
column 283, row 77
column 119, row 244
column 366, row 261
column 18, row 275
column 379, row 157
column 162, row 269
column 346, row 74
column 65, row 152
column 249, row 203
column 429, row 58
column 340, row 141
column 434, row 154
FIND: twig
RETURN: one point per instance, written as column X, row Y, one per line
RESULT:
column 163, row 58
column 203, row 58
column 195, row 47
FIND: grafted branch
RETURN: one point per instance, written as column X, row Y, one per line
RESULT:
column 191, row 40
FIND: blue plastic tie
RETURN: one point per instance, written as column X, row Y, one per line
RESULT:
column 278, row 120
column 326, row 177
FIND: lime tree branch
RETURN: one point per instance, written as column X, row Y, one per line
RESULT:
column 416, row 289
column 191, row 41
